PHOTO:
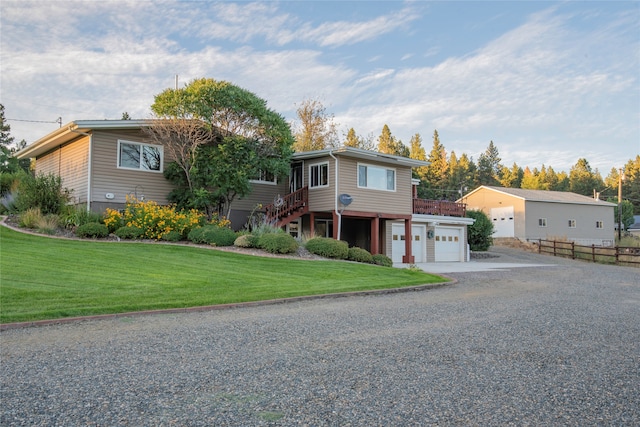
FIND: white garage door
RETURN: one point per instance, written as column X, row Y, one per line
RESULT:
column 449, row 244
column 503, row 221
column 417, row 245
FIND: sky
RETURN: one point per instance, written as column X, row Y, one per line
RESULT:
column 548, row 82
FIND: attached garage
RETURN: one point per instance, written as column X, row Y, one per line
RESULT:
column 449, row 244
column 418, row 245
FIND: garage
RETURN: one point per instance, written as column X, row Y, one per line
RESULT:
column 418, row 246
column 449, row 244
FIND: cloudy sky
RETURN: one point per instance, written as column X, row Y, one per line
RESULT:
column 547, row 82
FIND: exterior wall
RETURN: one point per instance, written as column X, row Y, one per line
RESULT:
column 399, row 201
column 558, row 216
column 260, row 194
column 71, row 163
column 484, row 200
column 321, row 199
column 108, row 178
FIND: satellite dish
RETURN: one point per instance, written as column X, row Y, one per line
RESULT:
column 345, row 199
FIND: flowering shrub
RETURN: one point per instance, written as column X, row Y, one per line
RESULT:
column 158, row 221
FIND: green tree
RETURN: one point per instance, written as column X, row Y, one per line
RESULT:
column 388, row 144
column 511, row 178
column 247, row 138
column 530, row 179
column 437, row 173
column 357, row 141
column 489, row 166
column 8, row 162
column 631, row 183
column 481, row 232
column 316, row 129
column 583, row 180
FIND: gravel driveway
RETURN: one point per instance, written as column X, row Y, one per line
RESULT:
column 552, row 345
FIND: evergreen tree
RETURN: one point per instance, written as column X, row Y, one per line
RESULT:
column 511, row 178
column 8, row 163
column 356, row 141
column 489, row 167
column 388, row 144
column 438, row 169
column 583, row 180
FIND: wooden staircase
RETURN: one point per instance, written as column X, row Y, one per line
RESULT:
column 288, row 208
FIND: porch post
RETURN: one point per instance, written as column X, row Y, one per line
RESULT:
column 336, row 224
column 312, row 225
column 375, row 236
column 408, row 258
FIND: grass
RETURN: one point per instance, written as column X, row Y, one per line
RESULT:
column 45, row 278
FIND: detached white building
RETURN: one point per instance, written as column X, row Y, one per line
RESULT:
column 530, row 215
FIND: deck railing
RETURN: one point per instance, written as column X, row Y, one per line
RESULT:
column 439, row 207
column 286, row 205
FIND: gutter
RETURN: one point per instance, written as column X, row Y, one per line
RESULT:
column 335, row 199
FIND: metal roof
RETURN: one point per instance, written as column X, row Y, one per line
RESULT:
column 545, row 196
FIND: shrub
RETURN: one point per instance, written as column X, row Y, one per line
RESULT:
column 383, row 260
column 359, row 255
column 128, row 232
column 156, row 220
column 48, row 224
column 93, row 230
column 30, row 218
column 75, row 216
column 278, row 243
column 246, row 241
column 213, row 235
column 172, row 236
column 481, row 232
column 44, row 192
column 327, row 247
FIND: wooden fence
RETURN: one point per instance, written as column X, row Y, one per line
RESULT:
column 608, row 255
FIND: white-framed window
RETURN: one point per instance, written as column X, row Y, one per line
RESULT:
column 542, row 222
column 572, row 223
column 599, row 224
column 265, row 178
column 376, row 177
column 319, row 175
column 139, row 156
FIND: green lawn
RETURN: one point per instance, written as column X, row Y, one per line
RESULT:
column 45, row 278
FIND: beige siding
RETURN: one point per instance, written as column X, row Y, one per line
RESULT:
column 261, row 194
column 370, row 200
column 321, row 199
column 70, row 162
column 108, row 178
column 485, row 200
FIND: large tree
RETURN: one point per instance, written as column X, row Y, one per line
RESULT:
column 315, row 129
column 356, row 141
column 8, row 163
column 583, row 180
column 242, row 138
column 489, row 166
column 389, row 144
column 437, row 173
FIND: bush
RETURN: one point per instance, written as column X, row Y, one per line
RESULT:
column 48, row 224
column 75, row 216
column 383, row 260
column 93, row 230
column 128, row 232
column 213, row 235
column 327, row 247
column 155, row 220
column 481, row 232
column 246, row 241
column 30, row 218
column 44, row 192
column 359, row 255
column 172, row 236
column 278, row 243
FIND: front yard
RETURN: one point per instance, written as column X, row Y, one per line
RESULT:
column 49, row 278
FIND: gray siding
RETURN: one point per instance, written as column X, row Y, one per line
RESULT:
column 70, row 162
column 108, row 178
column 263, row 194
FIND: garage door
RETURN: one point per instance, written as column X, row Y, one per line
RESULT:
column 417, row 245
column 449, row 244
column 503, row 221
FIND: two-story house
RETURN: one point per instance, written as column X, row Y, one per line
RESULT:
column 363, row 197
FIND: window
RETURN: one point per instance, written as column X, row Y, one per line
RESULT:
column 319, row 175
column 376, row 177
column 599, row 224
column 134, row 155
column 572, row 223
column 265, row 178
column 542, row 222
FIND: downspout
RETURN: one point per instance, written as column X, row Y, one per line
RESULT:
column 335, row 199
column 90, row 135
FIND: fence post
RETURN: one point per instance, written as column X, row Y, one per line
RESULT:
column 554, row 248
column 573, row 250
column 617, row 248
column 593, row 252
column 539, row 246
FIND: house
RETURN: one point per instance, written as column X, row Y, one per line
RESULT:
column 634, row 229
column 363, row 197
column 530, row 215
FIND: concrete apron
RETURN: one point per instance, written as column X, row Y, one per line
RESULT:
column 466, row 267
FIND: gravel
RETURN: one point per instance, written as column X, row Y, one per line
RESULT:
column 553, row 345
